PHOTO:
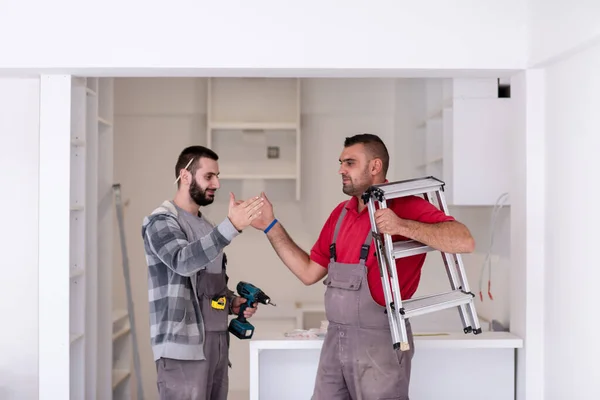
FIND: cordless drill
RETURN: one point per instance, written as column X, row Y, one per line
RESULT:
column 240, row 327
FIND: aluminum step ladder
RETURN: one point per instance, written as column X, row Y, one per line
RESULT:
column 130, row 307
column 388, row 252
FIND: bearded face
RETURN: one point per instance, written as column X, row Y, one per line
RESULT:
column 204, row 182
column 355, row 170
column 202, row 196
column 354, row 184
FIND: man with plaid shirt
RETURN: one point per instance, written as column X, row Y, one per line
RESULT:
column 187, row 281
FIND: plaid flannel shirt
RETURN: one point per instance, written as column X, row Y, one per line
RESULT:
column 173, row 263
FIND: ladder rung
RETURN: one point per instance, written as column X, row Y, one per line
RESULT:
column 437, row 302
column 410, row 248
column 405, row 188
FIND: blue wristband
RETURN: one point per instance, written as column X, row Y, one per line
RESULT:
column 270, row 226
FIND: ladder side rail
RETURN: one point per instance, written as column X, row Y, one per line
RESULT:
column 398, row 308
column 462, row 311
column 452, row 273
column 467, row 289
column 450, row 270
column 462, row 275
column 383, row 272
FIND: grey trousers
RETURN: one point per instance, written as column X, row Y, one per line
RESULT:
column 196, row 380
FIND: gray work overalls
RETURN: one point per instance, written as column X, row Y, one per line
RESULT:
column 206, row 379
column 357, row 359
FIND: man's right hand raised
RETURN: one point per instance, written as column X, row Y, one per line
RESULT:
column 266, row 217
column 241, row 214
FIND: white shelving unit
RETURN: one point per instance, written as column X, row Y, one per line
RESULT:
column 464, row 139
column 248, row 119
column 92, row 372
column 78, row 232
column 121, row 361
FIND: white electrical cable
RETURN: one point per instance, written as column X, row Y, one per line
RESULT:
column 488, row 262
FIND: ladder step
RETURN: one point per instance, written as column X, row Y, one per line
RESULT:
column 437, row 302
column 410, row 248
column 407, row 187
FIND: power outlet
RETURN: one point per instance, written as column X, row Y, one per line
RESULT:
column 273, row 152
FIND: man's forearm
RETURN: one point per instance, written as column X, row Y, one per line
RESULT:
column 296, row 259
column 169, row 243
column 451, row 236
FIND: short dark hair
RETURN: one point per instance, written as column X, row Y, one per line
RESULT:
column 195, row 152
column 374, row 145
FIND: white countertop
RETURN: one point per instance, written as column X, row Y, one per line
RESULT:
column 454, row 340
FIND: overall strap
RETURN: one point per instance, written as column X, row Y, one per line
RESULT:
column 332, row 254
column 364, row 249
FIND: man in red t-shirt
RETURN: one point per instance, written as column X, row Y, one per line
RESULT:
column 357, row 360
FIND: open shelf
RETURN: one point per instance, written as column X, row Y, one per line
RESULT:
column 121, row 367
column 119, row 376
column 254, row 126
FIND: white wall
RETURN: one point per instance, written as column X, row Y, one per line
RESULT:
column 19, row 163
column 557, row 361
column 527, row 231
column 558, row 28
column 572, row 143
column 156, row 118
column 269, row 34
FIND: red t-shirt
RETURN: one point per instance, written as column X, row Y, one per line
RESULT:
column 354, row 231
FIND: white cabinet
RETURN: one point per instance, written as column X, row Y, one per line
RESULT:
column 254, row 127
column 465, row 141
column 476, row 141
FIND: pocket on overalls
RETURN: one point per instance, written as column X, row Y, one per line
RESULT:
column 342, row 298
column 211, row 288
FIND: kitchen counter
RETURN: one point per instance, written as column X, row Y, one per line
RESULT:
column 453, row 340
column 460, row 365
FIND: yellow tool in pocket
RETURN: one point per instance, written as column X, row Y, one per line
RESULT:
column 219, row 302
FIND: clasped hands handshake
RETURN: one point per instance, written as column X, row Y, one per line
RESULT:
column 256, row 212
